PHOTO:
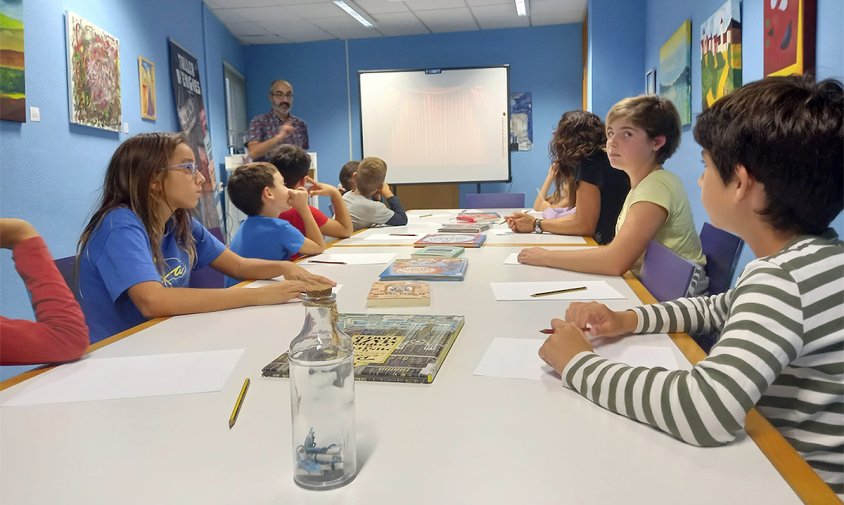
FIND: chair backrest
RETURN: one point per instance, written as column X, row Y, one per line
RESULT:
column 495, row 200
column 664, row 273
column 722, row 250
column 207, row 277
column 67, row 267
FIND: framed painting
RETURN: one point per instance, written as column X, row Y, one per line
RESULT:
column 93, row 67
column 521, row 121
column 675, row 72
column 146, row 78
column 12, row 82
column 720, row 53
column 789, row 33
column 650, row 82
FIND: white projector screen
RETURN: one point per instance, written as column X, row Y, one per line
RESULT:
column 437, row 125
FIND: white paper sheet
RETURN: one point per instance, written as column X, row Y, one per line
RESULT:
column 595, row 290
column 515, row 358
column 639, row 355
column 394, row 239
column 128, row 377
column 352, row 259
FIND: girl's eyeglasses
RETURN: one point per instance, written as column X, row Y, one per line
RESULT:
column 191, row 166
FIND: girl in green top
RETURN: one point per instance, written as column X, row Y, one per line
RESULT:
column 642, row 132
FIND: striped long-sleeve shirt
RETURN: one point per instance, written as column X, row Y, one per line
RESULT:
column 781, row 348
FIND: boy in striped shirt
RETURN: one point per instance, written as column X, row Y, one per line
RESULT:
column 774, row 175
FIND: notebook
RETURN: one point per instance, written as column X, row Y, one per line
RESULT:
column 453, row 239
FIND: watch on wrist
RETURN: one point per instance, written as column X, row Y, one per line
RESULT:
column 537, row 225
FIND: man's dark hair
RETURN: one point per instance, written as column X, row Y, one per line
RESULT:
column 788, row 133
column 292, row 161
column 247, row 184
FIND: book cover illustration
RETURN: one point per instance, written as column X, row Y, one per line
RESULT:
column 438, row 251
column 455, row 239
column 399, row 294
column 430, row 269
column 392, row 347
column 478, row 217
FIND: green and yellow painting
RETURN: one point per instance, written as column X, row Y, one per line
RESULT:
column 675, row 74
column 12, row 82
column 720, row 53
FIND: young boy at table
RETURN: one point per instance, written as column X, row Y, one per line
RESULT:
column 773, row 154
column 369, row 181
column 294, row 162
column 258, row 190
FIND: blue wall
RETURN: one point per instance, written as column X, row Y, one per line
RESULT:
column 664, row 16
column 545, row 61
column 52, row 170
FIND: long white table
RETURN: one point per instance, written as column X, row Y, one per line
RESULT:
column 463, row 439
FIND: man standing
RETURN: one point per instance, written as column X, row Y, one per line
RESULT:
column 277, row 126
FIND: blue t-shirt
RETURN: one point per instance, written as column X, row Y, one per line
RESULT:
column 118, row 256
column 267, row 238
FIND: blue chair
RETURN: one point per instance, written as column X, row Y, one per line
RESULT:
column 67, row 267
column 665, row 274
column 207, row 277
column 495, row 200
column 722, row 251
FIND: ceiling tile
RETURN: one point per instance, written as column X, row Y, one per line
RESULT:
column 345, row 28
column 263, row 39
column 448, row 20
column 473, row 3
column 248, row 28
column 232, row 4
column 426, row 5
column 499, row 16
column 296, row 31
column 266, row 14
column 314, row 11
column 546, row 12
column 376, row 7
column 402, row 23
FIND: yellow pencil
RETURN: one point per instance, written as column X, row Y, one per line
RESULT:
column 238, row 403
column 558, row 291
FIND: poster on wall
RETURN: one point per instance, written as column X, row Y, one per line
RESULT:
column 789, row 33
column 521, row 121
column 146, row 78
column 12, row 82
column 93, row 68
column 675, row 71
column 190, row 108
column 720, row 53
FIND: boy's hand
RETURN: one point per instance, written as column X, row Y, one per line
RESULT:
column 599, row 320
column 14, row 231
column 520, row 222
column 315, row 188
column 298, row 199
column 566, row 343
column 534, row 256
column 385, row 191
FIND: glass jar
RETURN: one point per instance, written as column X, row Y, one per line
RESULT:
column 322, row 397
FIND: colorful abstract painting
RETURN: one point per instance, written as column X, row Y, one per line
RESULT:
column 93, row 65
column 675, row 70
column 146, row 77
column 521, row 121
column 12, row 82
column 720, row 53
column 789, row 36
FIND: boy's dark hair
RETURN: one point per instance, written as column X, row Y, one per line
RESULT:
column 788, row 132
column 654, row 114
column 292, row 161
column 370, row 175
column 247, row 184
column 347, row 175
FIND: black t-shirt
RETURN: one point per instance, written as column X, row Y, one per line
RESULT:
column 614, row 186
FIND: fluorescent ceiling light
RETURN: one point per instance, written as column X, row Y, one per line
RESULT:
column 521, row 7
column 358, row 14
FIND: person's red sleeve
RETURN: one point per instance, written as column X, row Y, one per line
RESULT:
column 59, row 332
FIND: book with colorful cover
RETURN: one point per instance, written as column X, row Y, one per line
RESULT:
column 438, row 251
column 454, row 239
column 399, row 294
column 464, row 228
column 392, row 347
column 478, row 217
column 426, row 269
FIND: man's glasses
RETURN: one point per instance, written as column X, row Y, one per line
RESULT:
column 191, row 166
column 279, row 94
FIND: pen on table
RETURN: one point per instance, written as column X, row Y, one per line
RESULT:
column 403, row 234
column 238, row 403
column 558, row 291
column 426, row 215
column 550, row 331
column 327, row 262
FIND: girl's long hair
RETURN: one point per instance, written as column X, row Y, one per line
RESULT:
column 139, row 162
column 579, row 134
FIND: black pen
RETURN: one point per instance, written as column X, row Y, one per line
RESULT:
column 327, row 262
column 558, row 291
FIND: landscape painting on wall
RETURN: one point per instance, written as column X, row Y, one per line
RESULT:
column 675, row 72
column 720, row 53
column 789, row 36
column 93, row 67
column 12, row 82
column 146, row 77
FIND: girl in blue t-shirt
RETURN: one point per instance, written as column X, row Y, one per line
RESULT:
column 142, row 240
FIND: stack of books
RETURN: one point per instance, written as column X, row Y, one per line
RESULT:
column 451, row 239
column 464, row 228
column 438, row 251
column 478, row 217
column 430, row 269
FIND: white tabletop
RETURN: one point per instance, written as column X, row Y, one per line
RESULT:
column 463, row 439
